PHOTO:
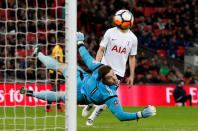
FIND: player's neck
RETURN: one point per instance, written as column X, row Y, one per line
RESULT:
column 124, row 31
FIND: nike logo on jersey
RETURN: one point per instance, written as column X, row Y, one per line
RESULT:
column 113, row 39
column 119, row 49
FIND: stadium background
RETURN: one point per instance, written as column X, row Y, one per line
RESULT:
column 166, row 30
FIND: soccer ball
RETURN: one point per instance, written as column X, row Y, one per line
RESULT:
column 123, row 19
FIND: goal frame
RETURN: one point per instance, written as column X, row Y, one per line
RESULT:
column 71, row 65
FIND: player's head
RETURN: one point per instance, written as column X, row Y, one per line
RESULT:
column 107, row 75
column 123, row 19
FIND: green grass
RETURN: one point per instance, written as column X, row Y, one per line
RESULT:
column 167, row 119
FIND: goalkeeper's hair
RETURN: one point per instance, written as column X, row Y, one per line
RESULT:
column 103, row 70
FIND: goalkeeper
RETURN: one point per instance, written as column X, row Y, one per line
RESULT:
column 97, row 88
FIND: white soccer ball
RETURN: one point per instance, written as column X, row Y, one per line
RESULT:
column 123, row 19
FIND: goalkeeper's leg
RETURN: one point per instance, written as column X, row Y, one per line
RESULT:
column 48, row 61
column 51, row 63
column 98, row 110
column 44, row 95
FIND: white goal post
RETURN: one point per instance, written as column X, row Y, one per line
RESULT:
column 71, row 61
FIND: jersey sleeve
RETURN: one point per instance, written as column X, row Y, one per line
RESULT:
column 134, row 46
column 105, row 39
column 115, row 107
column 91, row 63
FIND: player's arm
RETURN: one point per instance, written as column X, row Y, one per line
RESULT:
column 100, row 53
column 132, row 60
column 115, row 107
column 103, row 44
column 86, row 57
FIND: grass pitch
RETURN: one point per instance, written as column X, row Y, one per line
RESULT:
column 167, row 119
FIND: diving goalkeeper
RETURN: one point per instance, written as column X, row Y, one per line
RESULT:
column 97, row 88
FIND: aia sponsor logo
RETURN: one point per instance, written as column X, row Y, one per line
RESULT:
column 119, row 49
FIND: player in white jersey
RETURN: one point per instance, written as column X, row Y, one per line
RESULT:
column 117, row 46
column 115, row 49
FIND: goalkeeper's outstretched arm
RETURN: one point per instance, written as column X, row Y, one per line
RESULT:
column 91, row 63
column 115, row 107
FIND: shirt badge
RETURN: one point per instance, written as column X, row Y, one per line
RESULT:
column 116, row 103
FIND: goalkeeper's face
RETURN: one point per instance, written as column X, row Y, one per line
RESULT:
column 110, row 78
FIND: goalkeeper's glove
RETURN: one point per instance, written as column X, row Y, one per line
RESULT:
column 80, row 38
column 147, row 112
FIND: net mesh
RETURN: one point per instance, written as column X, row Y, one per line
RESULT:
column 24, row 24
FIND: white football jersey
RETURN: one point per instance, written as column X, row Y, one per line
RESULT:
column 118, row 46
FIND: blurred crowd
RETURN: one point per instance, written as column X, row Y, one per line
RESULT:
column 22, row 26
column 157, row 71
column 165, row 27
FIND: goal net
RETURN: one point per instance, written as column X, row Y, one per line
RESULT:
column 25, row 24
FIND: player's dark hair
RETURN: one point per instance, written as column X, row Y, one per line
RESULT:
column 103, row 70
